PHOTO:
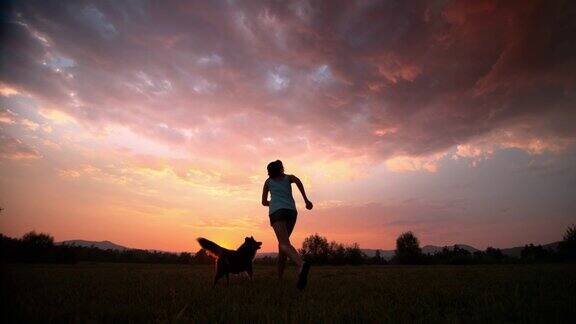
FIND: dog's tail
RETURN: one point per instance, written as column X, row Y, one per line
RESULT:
column 211, row 247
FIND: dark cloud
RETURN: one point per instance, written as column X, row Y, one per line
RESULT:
column 380, row 78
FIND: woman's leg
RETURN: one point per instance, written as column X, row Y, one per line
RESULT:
column 282, row 257
column 284, row 243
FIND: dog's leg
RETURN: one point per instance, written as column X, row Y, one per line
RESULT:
column 217, row 275
column 250, row 273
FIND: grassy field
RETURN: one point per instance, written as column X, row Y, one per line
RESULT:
column 131, row 292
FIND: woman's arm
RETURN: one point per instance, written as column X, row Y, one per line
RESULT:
column 265, row 190
column 300, row 186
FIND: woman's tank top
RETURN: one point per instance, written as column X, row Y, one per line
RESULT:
column 281, row 194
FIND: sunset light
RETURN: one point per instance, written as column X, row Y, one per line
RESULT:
column 288, row 161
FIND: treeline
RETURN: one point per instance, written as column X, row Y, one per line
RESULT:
column 408, row 251
column 40, row 248
column 318, row 250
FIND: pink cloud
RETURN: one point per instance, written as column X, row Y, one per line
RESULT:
column 13, row 149
column 440, row 75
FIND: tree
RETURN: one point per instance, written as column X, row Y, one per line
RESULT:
column 455, row 255
column 493, row 255
column 567, row 246
column 336, row 253
column 535, row 253
column 460, row 256
column 315, row 248
column 42, row 241
column 37, row 247
column 377, row 258
column 354, row 255
column 408, row 249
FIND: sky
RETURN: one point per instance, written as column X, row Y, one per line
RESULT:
column 150, row 123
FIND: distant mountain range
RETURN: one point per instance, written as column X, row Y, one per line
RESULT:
column 428, row 249
column 103, row 245
column 515, row 251
column 386, row 254
column 432, row 249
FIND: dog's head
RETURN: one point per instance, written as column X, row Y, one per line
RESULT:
column 252, row 243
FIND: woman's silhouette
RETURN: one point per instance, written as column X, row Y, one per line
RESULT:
column 282, row 212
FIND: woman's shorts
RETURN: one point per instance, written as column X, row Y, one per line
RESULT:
column 284, row 215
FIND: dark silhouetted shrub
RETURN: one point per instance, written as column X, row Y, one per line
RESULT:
column 316, row 249
column 567, row 247
column 408, row 249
